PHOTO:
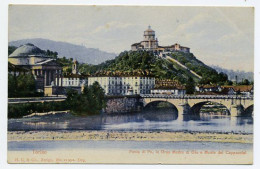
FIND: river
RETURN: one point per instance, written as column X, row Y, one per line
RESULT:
column 123, row 151
column 152, row 120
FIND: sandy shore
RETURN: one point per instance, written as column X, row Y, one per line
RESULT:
column 127, row 136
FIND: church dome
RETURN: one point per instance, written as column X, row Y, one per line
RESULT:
column 149, row 29
column 149, row 32
column 27, row 49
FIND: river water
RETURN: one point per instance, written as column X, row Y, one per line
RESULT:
column 163, row 119
column 152, row 120
column 73, row 144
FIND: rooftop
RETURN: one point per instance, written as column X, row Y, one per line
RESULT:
column 26, row 50
column 180, row 87
column 75, row 76
column 241, row 88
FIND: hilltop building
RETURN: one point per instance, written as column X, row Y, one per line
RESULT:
column 44, row 68
column 150, row 43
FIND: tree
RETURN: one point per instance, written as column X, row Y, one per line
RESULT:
column 190, row 86
column 90, row 102
column 245, row 82
column 26, row 85
column 51, row 54
column 229, row 82
column 11, row 85
column 23, row 85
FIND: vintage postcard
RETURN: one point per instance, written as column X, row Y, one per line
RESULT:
column 130, row 84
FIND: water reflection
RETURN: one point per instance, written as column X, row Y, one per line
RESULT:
column 191, row 117
column 243, row 121
column 155, row 119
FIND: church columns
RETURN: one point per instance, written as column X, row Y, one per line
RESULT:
column 56, row 76
column 61, row 77
column 58, row 79
column 45, row 77
column 49, row 78
column 53, row 77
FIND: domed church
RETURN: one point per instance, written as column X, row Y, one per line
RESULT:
column 151, row 43
column 45, row 69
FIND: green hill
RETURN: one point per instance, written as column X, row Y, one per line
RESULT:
column 209, row 75
column 143, row 62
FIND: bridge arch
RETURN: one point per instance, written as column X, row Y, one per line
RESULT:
column 154, row 104
column 196, row 108
column 163, row 110
column 249, row 111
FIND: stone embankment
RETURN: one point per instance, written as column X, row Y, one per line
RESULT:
column 123, row 104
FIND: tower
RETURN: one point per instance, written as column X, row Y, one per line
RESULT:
column 149, row 41
column 75, row 67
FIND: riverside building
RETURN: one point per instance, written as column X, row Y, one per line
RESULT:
column 167, row 86
column 124, row 85
column 74, row 80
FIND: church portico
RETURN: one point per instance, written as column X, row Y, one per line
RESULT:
column 44, row 68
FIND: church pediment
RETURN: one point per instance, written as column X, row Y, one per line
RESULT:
column 49, row 62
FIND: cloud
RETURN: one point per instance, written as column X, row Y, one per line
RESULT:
column 215, row 35
column 111, row 26
column 215, row 40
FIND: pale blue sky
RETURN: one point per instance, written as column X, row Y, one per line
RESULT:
column 219, row 36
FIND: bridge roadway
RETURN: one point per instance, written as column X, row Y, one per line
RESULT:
column 191, row 104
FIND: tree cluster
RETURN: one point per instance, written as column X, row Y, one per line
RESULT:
column 91, row 101
column 51, row 54
column 22, row 85
column 246, row 82
column 137, row 63
column 23, row 109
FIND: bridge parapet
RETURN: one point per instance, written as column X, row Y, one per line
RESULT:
column 196, row 96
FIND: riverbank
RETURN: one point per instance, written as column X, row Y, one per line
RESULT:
column 129, row 136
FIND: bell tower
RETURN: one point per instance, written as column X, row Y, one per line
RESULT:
column 75, row 67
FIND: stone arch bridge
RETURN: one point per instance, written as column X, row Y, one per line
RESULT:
column 191, row 104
